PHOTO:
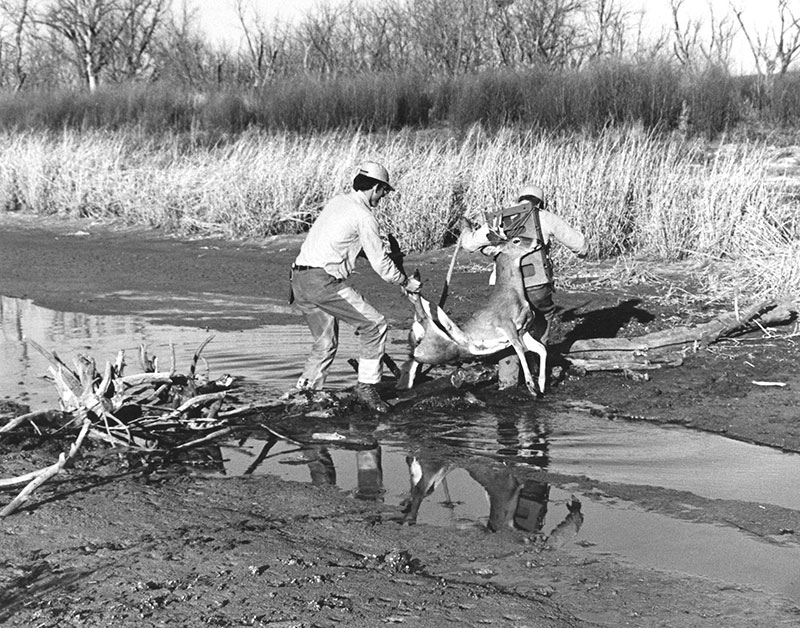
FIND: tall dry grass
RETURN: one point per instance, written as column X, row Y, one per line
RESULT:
column 630, row 192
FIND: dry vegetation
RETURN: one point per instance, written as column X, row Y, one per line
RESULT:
column 632, row 192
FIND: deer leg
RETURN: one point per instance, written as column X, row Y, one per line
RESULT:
column 540, row 350
column 407, row 374
column 514, row 341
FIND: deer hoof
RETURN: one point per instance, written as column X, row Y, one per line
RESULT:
column 534, row 391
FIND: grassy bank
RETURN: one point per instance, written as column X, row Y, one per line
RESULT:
column 632, row 193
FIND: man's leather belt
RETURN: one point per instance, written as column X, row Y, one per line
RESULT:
column 301, row 267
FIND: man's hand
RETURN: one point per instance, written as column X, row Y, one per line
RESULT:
column 465, row 224
column 412, row 286
column 496, row 237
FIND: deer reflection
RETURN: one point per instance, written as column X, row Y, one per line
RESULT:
column 515, row 502
column 425, row 474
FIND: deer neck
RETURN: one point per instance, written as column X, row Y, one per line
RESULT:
column 509, row 275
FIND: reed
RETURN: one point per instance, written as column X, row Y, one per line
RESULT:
column 631, row 192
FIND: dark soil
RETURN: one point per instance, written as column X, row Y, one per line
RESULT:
column 108, row 545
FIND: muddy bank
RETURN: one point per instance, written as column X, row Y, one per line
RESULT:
column 150, row 551
column 108, row 544
column 86, row 267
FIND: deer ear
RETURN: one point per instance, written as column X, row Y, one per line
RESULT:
column 493, row 237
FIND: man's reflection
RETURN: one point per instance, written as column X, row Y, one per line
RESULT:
column 512, row 503
column 369, row 475
column 320, row 466
column 524, row 440
column 369, row 470
column 532, row 506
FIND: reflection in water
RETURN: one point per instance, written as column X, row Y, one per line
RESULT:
column 320, row 466
column 515, row 500
column 476, row 467
column 504, row 489
column 271, row 355
column 370, row 475
column 425, row 475
column 523, row 439
column 443, row 487
column 532, row 506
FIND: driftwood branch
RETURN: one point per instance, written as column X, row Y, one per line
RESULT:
column 56, row 362
column 48, row 472
column 30, row 417
column 668, row 347
column 148, row 412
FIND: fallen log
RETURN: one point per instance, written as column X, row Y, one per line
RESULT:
column 621, row 365
column 668, row 347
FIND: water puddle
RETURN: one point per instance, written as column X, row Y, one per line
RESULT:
column 458, row 471
column 461, row 492
column 269, row 355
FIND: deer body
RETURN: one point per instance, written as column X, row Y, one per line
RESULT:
column 501, row 323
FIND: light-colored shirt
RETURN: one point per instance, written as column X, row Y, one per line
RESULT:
column 344, row 227
column 554, row 228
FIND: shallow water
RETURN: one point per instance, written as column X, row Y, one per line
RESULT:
column 462, row 496
column 463, row 487
column 271, row 356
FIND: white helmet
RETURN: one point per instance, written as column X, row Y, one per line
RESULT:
column 531, row 190
column 375, row 171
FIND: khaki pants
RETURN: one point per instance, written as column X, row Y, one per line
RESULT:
column 324, row 302
column 544, row 309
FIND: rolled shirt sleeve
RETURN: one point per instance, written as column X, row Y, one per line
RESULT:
column 563, row 233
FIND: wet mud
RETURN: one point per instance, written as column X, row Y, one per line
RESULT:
column 121, row 542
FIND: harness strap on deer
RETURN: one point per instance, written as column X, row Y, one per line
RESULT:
column 537, row 268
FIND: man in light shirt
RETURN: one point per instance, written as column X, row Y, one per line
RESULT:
column 327, row 257
column 530, row 219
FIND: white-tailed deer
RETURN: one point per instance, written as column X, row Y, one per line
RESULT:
column 501, row 323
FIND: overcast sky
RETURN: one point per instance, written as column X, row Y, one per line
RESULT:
column 219, row 19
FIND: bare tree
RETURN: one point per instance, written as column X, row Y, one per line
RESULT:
column 141, row 20
column 775, row 49
column 686, row 36
column 695, row 47
column 181, row 50
column 547, row 32
column 381, row 40
column 263, row 46
column 95, row 32
column 717, row 52
column 607, row 28
column 17, row 12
